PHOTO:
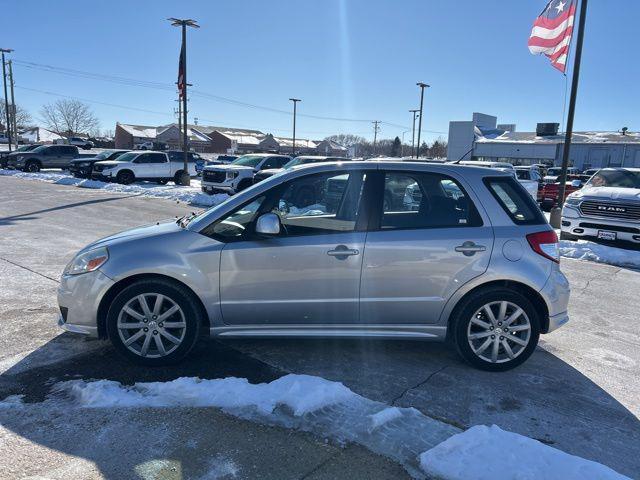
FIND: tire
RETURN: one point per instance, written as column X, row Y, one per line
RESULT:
column 568, row 236
column 32, row 166
column 487, row 334
column 243, row 185
column 125, row 177
column 177, row 178
column 176, row 341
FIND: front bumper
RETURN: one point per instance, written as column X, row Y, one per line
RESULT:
column 80, row 171
column 578, row 225
column 208, row 187
column 79, row 297
column 101, row 176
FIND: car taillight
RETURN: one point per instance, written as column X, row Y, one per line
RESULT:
column 545, row 244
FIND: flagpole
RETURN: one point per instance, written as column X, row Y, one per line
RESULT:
column 556, row 212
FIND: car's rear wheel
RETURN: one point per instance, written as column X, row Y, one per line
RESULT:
column 154, row 322
column 125, row 177
column 32, row 166
column 496, row 329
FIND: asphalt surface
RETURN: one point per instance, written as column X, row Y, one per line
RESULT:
column 578, row 392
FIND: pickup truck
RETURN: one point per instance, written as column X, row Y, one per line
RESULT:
column 550, row 193
column 159, row 167
column 82, row 167
column 45, row 156
column 4, row 156
column 238, row 175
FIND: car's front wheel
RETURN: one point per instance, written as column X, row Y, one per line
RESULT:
column 496, row 329
column 125, row 177
column 154, row 322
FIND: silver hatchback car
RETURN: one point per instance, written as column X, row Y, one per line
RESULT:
column 382, row 249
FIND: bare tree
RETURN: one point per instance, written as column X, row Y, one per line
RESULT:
column 69, row 117
column 346, row 139
column 23, row 118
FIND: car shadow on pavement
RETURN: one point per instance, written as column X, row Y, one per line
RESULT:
column 545, row 398
column 32, row 215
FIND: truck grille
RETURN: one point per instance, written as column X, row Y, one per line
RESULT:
column 214, row 176
column 98, row 168
column 623, row 211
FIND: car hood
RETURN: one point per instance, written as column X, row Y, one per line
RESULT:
column 146, row 231
column 87, row 159
column 109, row 163
column 271, row 171
column 611, row 193
column 225, row 168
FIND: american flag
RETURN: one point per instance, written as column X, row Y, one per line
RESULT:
column 552, row 31
column 181, row 73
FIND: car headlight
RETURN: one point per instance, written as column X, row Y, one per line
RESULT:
column 231, row 175
column 573, row 201
column 87, row 261
column 83, row 164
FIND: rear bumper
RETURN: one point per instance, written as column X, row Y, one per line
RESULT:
column 557, row 321
column 555, row 293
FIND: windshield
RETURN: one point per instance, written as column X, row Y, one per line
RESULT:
column 127, row 157
column 40, row 149
column 248, row 160
column 295, row 161
column 103, row 155
column 615, row 178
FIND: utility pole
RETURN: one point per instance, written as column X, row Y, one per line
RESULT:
column 6, row 98
column 556, row 212
column 422, row 87
column 182, row 87
column 413, row 135
column 402, row 144
column 295, row 103
column 375, row 135
column 179, row 112
column 14, row 109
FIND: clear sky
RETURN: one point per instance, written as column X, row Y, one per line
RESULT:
column 356, row 59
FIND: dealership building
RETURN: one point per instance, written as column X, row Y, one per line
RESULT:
column 482, row 138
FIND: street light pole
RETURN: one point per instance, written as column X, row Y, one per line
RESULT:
column 422, row 87
column 295, row 103
column 6, row 97
column 413, row 135
column 14, row 110
column 182, row 86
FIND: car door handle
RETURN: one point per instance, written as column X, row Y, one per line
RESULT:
column 343, row 251
column 470, row 248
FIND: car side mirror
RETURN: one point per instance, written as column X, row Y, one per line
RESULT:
column 576, row 183
column 268, row 224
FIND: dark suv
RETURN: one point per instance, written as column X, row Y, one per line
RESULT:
column 45, row 156
column 82, row 167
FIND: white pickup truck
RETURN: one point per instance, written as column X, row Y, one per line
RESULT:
column 129, row 167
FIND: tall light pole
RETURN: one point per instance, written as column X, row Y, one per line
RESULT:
column 182, row 87
column 6, row 97
column 413, row 135
column 295, row 103
column 375, row 135
column 14, row 110
column 422, row 87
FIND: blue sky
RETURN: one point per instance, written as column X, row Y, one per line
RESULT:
column 355, row 59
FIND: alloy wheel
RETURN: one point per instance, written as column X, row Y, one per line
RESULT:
column 151, row 325
column 499, row 332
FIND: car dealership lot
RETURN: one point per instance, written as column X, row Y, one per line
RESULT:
column 578, row 391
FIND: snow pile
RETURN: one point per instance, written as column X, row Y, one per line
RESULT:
column 301, row 393
column 423, row 445
column 595, row 252
column 384, row 416
column 490, row 453
column 191, row 194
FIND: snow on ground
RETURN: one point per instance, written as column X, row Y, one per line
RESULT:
column 192, row 194
column 490, row 453
column 595, row 252
column 422, row 445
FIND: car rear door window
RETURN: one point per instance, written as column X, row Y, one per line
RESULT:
column 156, row 158
column 425, row 200
column 515, row 200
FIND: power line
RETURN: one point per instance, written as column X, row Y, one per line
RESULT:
column 194, row 92
column 167, row 114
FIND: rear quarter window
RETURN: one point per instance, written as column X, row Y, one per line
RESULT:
column 515, row 200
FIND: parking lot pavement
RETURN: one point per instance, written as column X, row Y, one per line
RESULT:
column 578, row 392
